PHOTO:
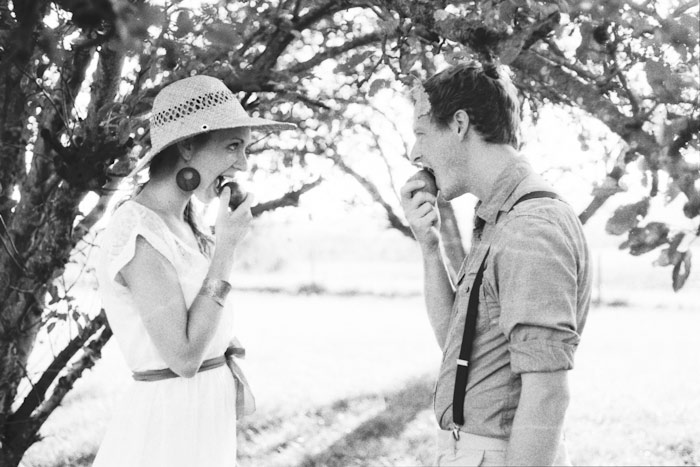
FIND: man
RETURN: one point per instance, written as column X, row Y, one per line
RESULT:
column 502, row 391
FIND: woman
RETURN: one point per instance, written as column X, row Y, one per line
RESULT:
column 164, row 285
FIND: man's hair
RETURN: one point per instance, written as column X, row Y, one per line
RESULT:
column 484, row 92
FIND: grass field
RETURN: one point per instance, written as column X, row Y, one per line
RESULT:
column 356, row 390
column 344, row 378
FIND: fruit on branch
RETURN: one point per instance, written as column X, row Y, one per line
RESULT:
column 601, row 33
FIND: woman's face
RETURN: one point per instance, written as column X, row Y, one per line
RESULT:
column 221, row 156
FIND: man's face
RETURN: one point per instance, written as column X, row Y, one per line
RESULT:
column 436, row 149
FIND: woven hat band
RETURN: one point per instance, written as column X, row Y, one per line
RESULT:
column 190, row 106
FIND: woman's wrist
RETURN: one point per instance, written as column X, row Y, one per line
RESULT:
column 215, row 289
column 221, row 262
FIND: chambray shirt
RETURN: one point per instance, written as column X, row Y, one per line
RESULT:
column 533, row 301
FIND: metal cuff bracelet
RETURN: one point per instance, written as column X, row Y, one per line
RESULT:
column 216, row 289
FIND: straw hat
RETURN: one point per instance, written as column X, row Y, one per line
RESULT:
column 197, row 105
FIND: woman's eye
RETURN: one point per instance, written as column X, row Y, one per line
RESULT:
column 234, row 146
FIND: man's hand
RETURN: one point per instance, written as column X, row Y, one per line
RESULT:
column 422, row 213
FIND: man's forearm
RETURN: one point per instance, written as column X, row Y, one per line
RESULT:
column 533, row 445
column 539, row 419
column 439, row 294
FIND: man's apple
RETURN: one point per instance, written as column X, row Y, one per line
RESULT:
column 429, row 179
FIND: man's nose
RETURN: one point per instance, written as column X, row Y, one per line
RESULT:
column 414, row 156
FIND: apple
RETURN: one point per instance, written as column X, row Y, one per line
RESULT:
column 237, row 194
column 426, row 176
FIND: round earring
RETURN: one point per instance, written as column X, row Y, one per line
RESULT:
column 187, row 179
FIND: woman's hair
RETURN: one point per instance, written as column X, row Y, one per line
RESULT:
column 167, row 160
column 485, row 92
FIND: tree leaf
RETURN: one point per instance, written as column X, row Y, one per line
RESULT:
column 223, row 35
column 671, row 255
column 584, row 49
column 642, row 240
column 184, row 24
column 667, row 130
column 681, row 271
column 666, row 83
column 627, row 217
column 348, row 65
column 442, row 15
column 376, row 86
column 389, row 25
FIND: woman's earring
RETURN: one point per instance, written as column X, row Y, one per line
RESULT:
column 187, row 179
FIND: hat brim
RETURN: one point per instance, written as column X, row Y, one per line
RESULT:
column 254, row 123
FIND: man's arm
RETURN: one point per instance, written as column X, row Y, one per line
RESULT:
column 421, row 213
column 539, row 419
column 439, row 294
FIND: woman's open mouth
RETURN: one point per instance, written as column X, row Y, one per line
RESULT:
column 222, row 180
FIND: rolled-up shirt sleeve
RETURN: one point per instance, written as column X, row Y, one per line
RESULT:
column 536, row 280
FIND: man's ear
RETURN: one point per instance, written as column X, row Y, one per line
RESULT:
column 460, row 121
column 186, row 149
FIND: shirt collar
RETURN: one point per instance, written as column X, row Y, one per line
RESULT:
column 501, row 197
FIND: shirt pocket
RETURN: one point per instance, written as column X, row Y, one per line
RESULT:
column 489, row 307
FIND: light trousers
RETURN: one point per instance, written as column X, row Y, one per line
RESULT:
column 472, row 451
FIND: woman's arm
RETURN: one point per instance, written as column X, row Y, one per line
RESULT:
column 182, row 335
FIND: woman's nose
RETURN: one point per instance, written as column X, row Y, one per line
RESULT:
column 241, row 163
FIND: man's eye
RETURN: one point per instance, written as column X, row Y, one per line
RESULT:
column 234, row 146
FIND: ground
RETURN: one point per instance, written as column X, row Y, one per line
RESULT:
column 356, row 390
column 343, row 376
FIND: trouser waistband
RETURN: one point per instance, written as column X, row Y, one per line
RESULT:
column 470, row 441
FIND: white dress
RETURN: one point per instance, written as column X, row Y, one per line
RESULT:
column 174, row 422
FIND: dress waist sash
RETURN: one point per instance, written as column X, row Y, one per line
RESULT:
column 210, row 364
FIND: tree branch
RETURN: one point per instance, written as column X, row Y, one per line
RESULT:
column 267, row 59
column 558, row 57
column 92, row 352
column 683, row 8
column 375, row 137
column 98, row 211
column 36, row 396
column 601, row 194
column 289, row 199
column 332, row 52
column 105, row 83
column 684, row 137
column 555, row 82
column 394, row 220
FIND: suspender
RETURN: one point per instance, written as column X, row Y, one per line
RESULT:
column 462, row 376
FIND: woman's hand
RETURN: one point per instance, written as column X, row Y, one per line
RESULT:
column 232, row 226
column 421, row 212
